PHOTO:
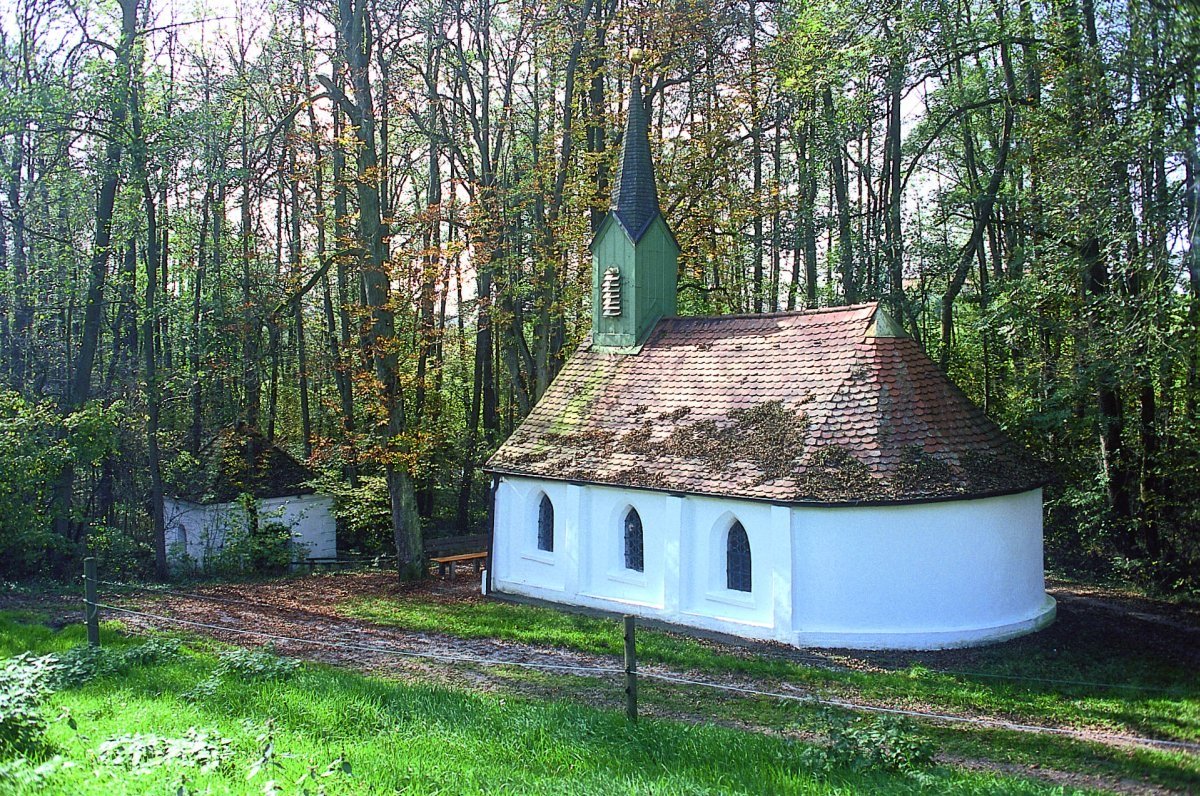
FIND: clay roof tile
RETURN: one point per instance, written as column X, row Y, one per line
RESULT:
column 787, row 407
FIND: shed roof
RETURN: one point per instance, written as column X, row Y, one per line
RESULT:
column 240, row 460
column 823, row 406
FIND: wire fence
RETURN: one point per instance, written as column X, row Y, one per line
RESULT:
column 815, row 660
column 630, row 671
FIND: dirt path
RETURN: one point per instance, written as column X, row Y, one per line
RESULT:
column 304, row 611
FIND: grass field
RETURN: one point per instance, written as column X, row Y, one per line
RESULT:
column 1140, row 693
column 1118, row 689
column 370, row 735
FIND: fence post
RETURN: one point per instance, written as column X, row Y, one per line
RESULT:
column 89, row 602
column 630, row 669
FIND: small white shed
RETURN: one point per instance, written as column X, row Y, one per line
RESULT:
column 247, row 483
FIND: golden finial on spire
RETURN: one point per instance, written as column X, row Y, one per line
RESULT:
column 635, row 55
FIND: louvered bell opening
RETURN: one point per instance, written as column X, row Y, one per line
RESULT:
column 610, row 293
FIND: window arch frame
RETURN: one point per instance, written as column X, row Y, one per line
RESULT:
column 739, row 559
column 545, row 524
column 633, row 540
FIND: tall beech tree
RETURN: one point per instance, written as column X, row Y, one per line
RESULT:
column 361, row 230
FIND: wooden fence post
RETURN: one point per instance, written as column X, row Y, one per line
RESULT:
column 630, row 669
column 89, row 602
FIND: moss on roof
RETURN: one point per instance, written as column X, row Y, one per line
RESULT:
column 240, row 460
column 809, row 407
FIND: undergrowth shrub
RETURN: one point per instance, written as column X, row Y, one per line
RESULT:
column 80, row 665
column 253, row 542
column 869, row 743
column 202, row 749
column 156, row 649
column 21, row 771
column 261, row 664
column 24, row 683
column 363, row 513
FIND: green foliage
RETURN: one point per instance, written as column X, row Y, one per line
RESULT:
column 154, row 650
column 253, row 543
column 24, row 682
column 261, row 664
column 22, row 773
column 82, row 664
column 201, row 749
column 265, row 548
column 119, row 554
column 862, row 743
column 36, row 444
column 239, row 664
column 363, row 513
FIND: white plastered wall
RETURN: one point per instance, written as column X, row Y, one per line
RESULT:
column 197, row 531
column 918, row 576
column 925, row 575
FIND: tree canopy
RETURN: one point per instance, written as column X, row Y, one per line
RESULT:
column 361, row 228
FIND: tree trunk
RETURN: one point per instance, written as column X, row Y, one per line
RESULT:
column 251, row 325
column 149, row 329
column 982, row 216
column 356, row 44
column 80, row 384
column 298, row 305
column 345, row 349
column 895, row 235
column 196, row 393
column 150, row 365
column 842, row 193
column 22, row 311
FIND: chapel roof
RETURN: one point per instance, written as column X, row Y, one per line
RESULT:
column 829, row 406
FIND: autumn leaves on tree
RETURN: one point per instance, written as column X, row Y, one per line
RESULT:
column 361, row 227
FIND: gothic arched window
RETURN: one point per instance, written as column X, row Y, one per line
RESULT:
column 634, row 550
column 546, row 525
column 737, row 559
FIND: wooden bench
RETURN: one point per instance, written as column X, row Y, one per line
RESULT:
column 445, row 564
column 330, row 564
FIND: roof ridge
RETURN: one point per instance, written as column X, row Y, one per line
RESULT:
column 779, row 314
column 715, row 407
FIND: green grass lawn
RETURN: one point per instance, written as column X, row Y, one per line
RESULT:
column 1162, row 700
column 1152, row 698
column 400, row 738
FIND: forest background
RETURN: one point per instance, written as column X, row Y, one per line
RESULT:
column 361, row 228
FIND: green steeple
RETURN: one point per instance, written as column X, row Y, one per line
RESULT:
column 634, row 254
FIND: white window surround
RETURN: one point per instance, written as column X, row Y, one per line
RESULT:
column 744, row 599
column 718, row 562
column 630, row 576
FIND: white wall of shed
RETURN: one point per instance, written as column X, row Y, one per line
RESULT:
column 197, row 531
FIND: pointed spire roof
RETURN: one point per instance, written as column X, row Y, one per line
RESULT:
column 635, row 195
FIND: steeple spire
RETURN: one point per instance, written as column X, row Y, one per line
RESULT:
column 635, row 194
column 634, row 255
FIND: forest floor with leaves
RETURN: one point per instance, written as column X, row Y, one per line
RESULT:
column 1116, row 671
